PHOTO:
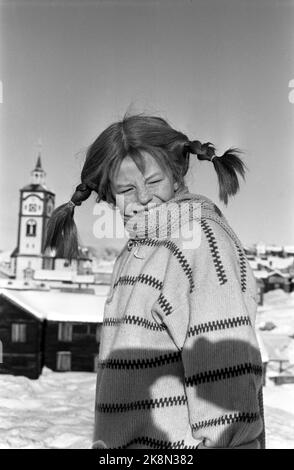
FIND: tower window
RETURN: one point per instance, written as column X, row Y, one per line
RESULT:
column 31, row 228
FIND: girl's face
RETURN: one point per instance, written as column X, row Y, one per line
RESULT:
column 135, row 191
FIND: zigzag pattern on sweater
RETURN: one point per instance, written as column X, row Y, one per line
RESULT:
column 240, row 250
column 144, row 278
column 221, row 374
column 218, row 325
column 220, row 270
column 227, row 419
column 164, row 304
column 175, row 252
column 156, row 444
column 134, row 320
column 141, row 405
column 243, row 270
column 140, row 363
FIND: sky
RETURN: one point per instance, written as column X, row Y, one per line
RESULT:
column 219, row 70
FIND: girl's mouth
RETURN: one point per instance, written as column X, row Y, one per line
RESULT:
column 139, row 209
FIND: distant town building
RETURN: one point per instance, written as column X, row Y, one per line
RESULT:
column 274, row 250
column 289, row 250
column 54, row 329
column 260, row 249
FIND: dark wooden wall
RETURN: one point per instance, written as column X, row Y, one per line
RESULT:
column 83, row 346
column 20, row 358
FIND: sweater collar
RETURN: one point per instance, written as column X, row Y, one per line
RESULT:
column 163, row 220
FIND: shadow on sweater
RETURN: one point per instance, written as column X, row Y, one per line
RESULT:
column 223, row 377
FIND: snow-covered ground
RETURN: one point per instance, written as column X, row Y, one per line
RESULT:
column 278, row 309
column 57, row 410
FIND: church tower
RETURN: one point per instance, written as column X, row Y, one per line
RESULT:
column 35, row 207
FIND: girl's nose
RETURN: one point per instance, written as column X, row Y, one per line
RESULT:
column 143, row 196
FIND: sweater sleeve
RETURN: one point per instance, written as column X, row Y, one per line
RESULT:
column 212, row 323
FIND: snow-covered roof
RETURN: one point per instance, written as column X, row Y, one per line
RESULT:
column 261, row 274
column 53, row 274
column 63, row 275
column 276, row 262
column 289, row 249
column 60, row 306
column 277, row 272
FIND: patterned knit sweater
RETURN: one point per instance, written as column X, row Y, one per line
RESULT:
column 179, row 364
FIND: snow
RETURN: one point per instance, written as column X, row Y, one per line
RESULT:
column 61, row 306
column 57, row 410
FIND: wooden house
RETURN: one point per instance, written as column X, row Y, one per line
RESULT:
column 275, row 250
column 21, row 336
column 56, row 329
column 278, row 280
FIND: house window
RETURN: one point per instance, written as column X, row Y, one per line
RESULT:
column 98, row 333
column 92, row 329
column 80, row 329
column 18, row 332
column 31, row 227
column 65, row 332
column 63, row 360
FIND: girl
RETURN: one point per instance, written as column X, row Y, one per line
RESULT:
column 179, row 363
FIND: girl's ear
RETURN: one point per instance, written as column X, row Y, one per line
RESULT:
column 176, row 185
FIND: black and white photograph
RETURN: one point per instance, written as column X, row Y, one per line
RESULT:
column 146, row 227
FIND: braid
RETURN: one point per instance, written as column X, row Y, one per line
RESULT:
column 226, row 166
column 61, row 230
column 82, row 192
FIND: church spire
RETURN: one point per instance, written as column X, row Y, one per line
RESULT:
column 39, row 164
column 38, row 174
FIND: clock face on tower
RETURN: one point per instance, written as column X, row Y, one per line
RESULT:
column 32, row 205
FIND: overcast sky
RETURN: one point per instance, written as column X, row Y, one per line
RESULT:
column 219, row 70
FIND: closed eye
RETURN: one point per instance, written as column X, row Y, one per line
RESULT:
column 130, row 189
